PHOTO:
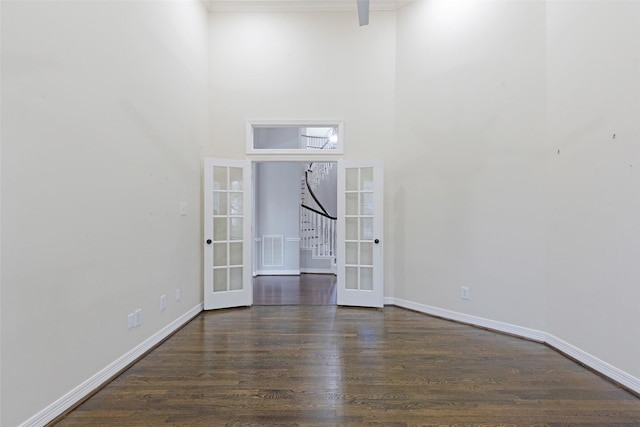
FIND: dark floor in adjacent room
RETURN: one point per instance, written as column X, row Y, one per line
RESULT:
column 305, row 289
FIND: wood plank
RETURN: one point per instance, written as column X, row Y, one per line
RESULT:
column 305, row 289
column 328, row 365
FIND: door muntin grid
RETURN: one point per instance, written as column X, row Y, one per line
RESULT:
column 228, row 222
column 359, row 221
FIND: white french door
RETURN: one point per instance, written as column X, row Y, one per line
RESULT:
column 359, row 233
column 227, row 233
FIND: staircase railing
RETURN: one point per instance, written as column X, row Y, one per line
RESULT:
column 317, row 233
column 317, row 226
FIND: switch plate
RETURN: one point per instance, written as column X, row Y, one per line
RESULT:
column 131, row 320
column 138, row 317
column 163, row 302
column 183, row 208
column 178, row 294
column 464, row 292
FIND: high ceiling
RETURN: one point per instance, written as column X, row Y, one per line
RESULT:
column 298, row 5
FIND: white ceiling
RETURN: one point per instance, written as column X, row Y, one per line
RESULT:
column 298, row 5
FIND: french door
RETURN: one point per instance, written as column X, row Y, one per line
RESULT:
column 227, row 233
column 359, row 233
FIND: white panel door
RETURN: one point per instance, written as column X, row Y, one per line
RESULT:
column 359, row 254
column 227, row 233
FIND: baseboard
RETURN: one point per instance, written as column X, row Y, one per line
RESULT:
column 609, row 371
column 76, row 395
column 277, row 273
column 508, row 328
column 317, row 271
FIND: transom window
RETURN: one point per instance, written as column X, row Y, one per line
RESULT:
column 309, row 138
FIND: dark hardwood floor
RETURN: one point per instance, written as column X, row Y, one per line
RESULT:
column 305, row 289
column 319, row 365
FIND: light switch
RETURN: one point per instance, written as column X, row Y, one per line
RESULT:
column 183, row 208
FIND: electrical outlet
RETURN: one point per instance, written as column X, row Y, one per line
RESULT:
column 178, row 294
column 138, row 317
column 464, row 292
column 163, row 302
column 131, row 320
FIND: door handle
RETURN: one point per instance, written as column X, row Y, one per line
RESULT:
column 208, row 241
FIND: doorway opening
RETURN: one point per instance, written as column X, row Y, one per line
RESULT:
column 294, row 232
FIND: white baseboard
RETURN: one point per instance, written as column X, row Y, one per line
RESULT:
column 520, row 331
column 277, row 273
column 58, row 407
column 617, row 375
column 316, row 270
column 609, row 371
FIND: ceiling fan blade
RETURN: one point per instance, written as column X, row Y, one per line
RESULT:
column 363, row 12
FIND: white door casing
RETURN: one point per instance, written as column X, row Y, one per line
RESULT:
column 359, row 233
column 227, row 233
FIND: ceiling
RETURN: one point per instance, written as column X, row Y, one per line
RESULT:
column 298, row 5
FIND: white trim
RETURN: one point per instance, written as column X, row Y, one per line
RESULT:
column 317, row 271
column 508, row 328
column 615, row 374
column 278, row 156
column 58, row 407
column 594, row 363
column 278, row 273
column 214, row 6
column 292, row 239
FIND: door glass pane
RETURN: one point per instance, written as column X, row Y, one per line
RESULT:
column 219, row 203
column 219, row 254
column 366, row 253
column 219, row 229
column 236, row 203
column 366, row 206
column 351, row 279
column 366, row 278
column 235, row 279
column 219, row 279
column 235, row 253
column 235, row 175
column 351, row 175
column 366, row 231
column 366, row 179
column 236, row 229
column 351, row 253
column 351, row 205
column 219, row 178
column 351, row 228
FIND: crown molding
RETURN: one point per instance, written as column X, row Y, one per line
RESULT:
column 298, row 5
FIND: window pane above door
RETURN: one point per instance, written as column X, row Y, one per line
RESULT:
column 310, row 138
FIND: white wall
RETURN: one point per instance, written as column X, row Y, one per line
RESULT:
column 298, row 66
column 278, row 202
column 593, row 92
column 104, row 114
column 301, row 66
column 509, row 111
column 467, row 173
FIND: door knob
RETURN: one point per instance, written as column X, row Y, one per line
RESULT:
column 376, row 241
column 208, row 241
